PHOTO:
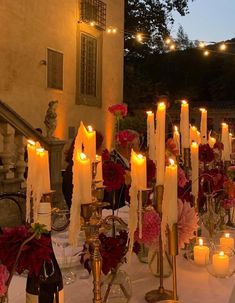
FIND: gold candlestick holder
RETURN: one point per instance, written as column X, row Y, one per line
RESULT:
column 92, row 216
column 161, row 293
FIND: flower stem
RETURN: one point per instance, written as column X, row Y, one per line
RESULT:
column 17, row 258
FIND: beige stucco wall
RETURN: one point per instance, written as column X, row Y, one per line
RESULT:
column 28, row 28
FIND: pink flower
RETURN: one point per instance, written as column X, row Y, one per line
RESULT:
column 150, row 228
column 119, row 110
column 187, row 222
column 4, row 274
column 182, row 180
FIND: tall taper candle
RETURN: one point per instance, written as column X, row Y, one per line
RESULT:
column 203, row 127
column 151, row 135
column 195, row 169
column 160, row 143
column 184, row 125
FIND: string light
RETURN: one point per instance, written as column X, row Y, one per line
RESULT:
column 206, row 53
column 139, row 37
column 92, row 23
column 168, row 41
column 172, row 47
column 222, row 47
column 202, row 44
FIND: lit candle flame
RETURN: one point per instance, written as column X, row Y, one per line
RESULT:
column 176, row 128
column 161, row 105
column 31, row 142
column 221, row 253
column 172, row 162
column 184, row 102
column 194, row 144
column 149, row 112
column 90, row 129
column 82, row 156
column 200, row 242
column 140, row 156
column 227, row 235
column 224, row 124
column 40, row 150
column 194, row 128
column 202, row 110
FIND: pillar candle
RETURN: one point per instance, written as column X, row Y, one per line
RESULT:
column 203, row 127
column 195, row 169
column 193, row 134
column 170, row 196
column 84, row 178
column 176, row 138
column 151, row 135
column 201, row 253
column 184, row 125
column 225, row 141
column 90, row 144
column 220, row 263
column 227, row 241
column 160, row 143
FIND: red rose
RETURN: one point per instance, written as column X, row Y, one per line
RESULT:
column 119, row 110
column 113, row 174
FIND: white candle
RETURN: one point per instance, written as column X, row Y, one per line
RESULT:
column 227, row 241
column 220, row 264
column 176, row 138
column 138, row 170
column 99, row 173
column 43, row 173
column 170, row 203
column 184, row 124
column 203, row 127
column 230, row 143
column 90, row 143
column 151, row 135
column 198, row 137
column 193, row 134
column 195, row 169
column 225, row 141
column 84, row 178
column 201, row 253
column 160, row 143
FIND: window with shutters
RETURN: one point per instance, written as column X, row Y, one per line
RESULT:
column 89, row 68
column 94, row 11
column 54, row 69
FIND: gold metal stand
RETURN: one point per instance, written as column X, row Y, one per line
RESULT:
column 91, row 214
column 161, row 293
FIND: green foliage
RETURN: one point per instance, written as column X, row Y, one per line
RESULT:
column 152, row 18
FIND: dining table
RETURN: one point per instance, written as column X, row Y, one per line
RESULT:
column 194, row 283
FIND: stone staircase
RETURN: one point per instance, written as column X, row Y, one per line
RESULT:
column 14, row 133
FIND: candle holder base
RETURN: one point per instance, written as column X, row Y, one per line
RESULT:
column 159, row 294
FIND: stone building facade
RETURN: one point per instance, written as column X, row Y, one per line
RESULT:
column 67, row 50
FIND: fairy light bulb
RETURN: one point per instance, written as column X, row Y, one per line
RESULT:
column 202, row 44
column 172, row 47
column 206, row 53
column 222, row 47
column 168, row 41
column 114, row 30
column 139, row 37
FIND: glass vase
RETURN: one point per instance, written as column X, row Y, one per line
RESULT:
column 143, row 253
column 154, row 263
column 116, row 287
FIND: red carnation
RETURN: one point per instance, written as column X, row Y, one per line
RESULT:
column 113, row 174
column 119, row 110
column 124, row 137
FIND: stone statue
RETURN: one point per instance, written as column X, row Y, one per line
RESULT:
column 51, row 119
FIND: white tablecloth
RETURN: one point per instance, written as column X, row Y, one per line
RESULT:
column 195, row 284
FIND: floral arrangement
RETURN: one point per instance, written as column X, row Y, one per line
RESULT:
column 124, row 137
column 113, row 174
column 22, row 248
column 112, row 250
